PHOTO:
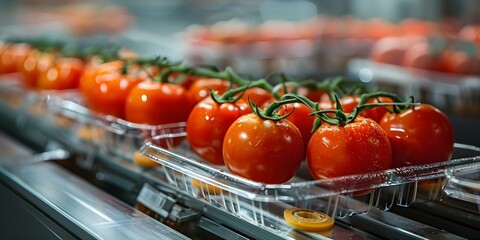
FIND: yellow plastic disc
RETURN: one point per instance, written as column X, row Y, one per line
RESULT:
column 308, row 220
column 205, row 187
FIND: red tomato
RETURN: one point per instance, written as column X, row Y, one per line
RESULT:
column 314, row 95
column 263, row 150
column 422, row 56
column 300, row 117
column 350, row 102
column 257, row 95
column 200, row 89
column 188, row 80
column 388, row 50
column 94, row 67
column 109, row 91
column 156, row 103
column 377, row 113
column 458, row 62
column 267, row 102
column 417, row 27
column 33, row 66
column 392, row 50
column 378, row 28
column 64, row 74
column 358, row 147
column 207, row 124
column 12, row 57
column 420, row 135
column 470, row 33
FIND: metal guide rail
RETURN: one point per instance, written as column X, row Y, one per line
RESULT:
column 57, row 204
column 191, row 215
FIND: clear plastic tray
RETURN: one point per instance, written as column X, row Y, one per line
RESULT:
column 11, row 92
column 263, row 204
column 33, row 102
column 453, row 93
column 64, row 110
column 106, row 133
column 463, row 182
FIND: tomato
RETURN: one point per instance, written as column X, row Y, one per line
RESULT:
column 109, row 91
column 377, row 113
column 314, row 95
column 156, row 103
column 470, row 32
column 257, row 95
column 392, row 50
column 263, row 150
column 458, row 62
column 388, row 50
column 12, row 57
column 300, row 117
column 35, row 64
column 417, row 27
column 94, row 67
column 350, row 102
column 187, row 81
column 421, row 56
column 356, row 148
column 64, row 74
column 207, row 124
column 310, row 93
column 420, row 135
column 200, row 89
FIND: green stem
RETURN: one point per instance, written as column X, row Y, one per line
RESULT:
column 229, row 95
column 364, row 98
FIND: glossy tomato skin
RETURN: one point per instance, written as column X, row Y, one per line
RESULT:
column 156, row 103
column 420, row 135
column 314, row 95
column 301, row 119
column 388, row 50
column 35, row 64
column 420, row 56
column 350, row 102
column 458, row 62
column 64, row 74
column 109, row 93
column 377, row 113
column 200, row 89
column 356, row 148
column 94, row 67
column 257, row 95
column 263, row 150
column 207, row 124
column 12, row 57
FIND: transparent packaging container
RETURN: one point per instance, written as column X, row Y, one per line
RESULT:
column 264, row 204
column 463, row 183
column 11, row 92
column 453, row 93
column 108, row 134
column 33, row 102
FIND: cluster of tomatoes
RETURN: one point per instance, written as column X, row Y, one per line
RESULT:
column 47, row 64
column 258, row 131
column 447, row 55
column 321, row 26
column 354, row 135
